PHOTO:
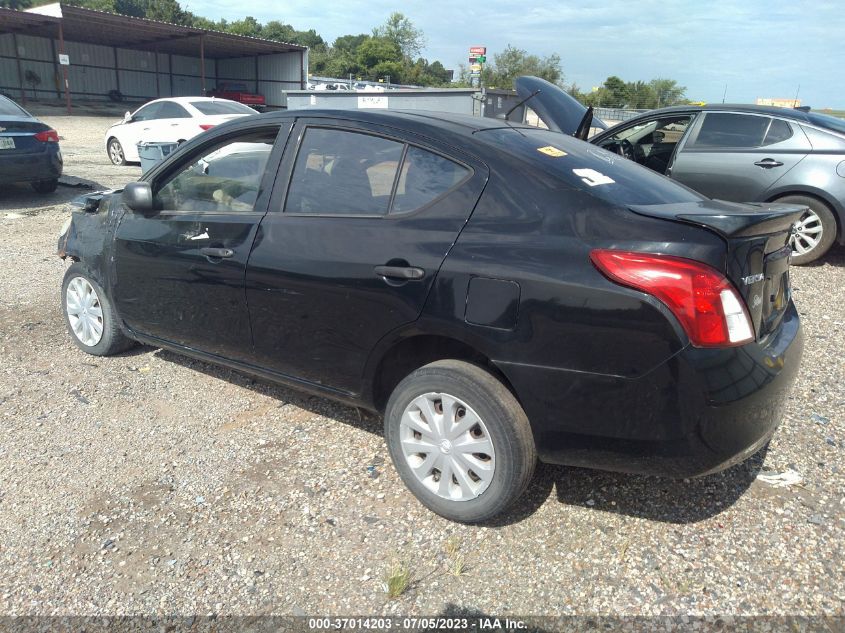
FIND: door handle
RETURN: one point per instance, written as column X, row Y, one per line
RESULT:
column 768, row 163
column 220, row 253
column 409, row 273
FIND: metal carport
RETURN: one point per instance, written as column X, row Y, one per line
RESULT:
column 139, row 58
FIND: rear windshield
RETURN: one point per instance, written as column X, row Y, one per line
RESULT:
column 584, row 166
column 211, row 108
column 10, row 108
column 827, row 121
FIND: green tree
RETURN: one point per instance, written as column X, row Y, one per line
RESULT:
column 377, row 50
column 513, row 62
column 15, row 4
column 616, row 95
column 667, row 92
column 249, row 27
column 402, row 32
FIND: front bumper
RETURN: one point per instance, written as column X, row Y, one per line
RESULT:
column 31, row 166
column 703, row 410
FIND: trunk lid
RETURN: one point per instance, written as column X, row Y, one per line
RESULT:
column 558, row 110
column 22, row 131
column 757, row 262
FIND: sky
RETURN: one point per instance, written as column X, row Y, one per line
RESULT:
column 755, row 48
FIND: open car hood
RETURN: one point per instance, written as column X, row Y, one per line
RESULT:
column 558, row 110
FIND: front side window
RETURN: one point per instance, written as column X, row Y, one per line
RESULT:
column 214, row 108
column 225, row 179
column 342, row 172
column 727, row 129
column 651, row 143
column 171, row 110
column 147, row 113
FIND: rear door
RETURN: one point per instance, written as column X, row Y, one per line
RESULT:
column 174, row 123
column 360, row 221
column 178, row 274
column 738, row 156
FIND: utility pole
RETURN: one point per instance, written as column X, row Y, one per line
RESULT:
column 725, row 93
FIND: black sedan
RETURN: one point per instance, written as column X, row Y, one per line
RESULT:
column 29, row 149
column 499, row 292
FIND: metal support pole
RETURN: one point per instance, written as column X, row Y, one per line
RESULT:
column 20, row 71
column 202, row 62
column 116, row 68
column 64, row 68
column 158, row 87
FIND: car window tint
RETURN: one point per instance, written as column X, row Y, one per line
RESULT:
column 213, row 108
column 725, row 129
column 341, row 172
column 170, row 110
column 424, row 177
column 147, row 113
column 778, row 131
column 225, row 179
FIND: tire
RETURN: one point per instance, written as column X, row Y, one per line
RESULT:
column 819, row 217
column 83, row 314
column 505, row 455
column 115, row 152
column 45, row 186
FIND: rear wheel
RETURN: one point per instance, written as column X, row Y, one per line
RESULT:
column 46, row 186
column 115, row 151
column 89, row 315
column 460, row 440
column 814, row 233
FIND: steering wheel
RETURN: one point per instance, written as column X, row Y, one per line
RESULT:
column 625, row 149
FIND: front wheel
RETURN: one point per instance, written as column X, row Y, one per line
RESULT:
column 115, row 152
column 815, row 231
column 459, row 440
column 89, row 316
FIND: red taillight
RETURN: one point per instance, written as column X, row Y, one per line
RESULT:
column 206, row 126
column 47, row 136
column 707, row 305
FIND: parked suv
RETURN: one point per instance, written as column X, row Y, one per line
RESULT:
column 500, row 293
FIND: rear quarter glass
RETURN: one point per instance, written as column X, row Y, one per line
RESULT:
column 585, row 167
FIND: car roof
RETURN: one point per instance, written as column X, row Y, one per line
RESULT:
column 188, row 99
column 786, row 113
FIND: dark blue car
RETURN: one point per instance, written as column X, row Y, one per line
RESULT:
column 29, row 149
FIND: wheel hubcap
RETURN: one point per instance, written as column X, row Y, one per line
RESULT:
column 807, row 233
column 84, row 311
column 116, row 152
column 447, row 446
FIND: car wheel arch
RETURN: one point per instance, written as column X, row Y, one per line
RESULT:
column 821, row 196
column 409, row 353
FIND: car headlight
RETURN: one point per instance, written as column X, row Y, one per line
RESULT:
column 65, row 226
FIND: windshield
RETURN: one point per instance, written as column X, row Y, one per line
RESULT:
column 211, row 108
column 826, row 121
column 10, row 108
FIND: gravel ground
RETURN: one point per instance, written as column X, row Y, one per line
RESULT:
column 149, row 483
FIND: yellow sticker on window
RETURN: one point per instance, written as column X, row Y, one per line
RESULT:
column 550, row 150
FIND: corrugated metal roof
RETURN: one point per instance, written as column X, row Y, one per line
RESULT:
column 110, row 29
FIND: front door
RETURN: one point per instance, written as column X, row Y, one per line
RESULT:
column 178, row 275
column 738, row 156
column 349, row 250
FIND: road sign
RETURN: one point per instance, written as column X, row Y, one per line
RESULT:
column 473, row 59
column 476, row 68
column 64, row 60
column 478, row 50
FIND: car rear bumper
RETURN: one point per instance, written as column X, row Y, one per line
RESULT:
column 30, row 167
column 700, row 412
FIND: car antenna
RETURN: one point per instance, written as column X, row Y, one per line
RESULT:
column 531, row 96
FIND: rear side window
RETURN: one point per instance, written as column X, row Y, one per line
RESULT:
column 341, row 172
column 725, row 129
column 212, row 108
column 425, row 176
column 778, row 131
column 148, row 112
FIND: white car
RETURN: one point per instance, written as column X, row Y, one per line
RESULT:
column 170, row 120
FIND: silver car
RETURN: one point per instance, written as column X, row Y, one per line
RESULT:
column 742, row 153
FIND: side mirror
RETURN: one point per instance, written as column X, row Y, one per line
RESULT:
column 127, row 117
column 138, row 196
